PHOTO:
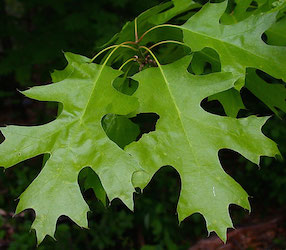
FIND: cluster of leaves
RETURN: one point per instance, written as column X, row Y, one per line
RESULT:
column 215, row 53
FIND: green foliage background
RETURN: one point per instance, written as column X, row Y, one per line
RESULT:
column 33, row 35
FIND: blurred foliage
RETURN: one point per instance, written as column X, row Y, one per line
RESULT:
column 33, row 35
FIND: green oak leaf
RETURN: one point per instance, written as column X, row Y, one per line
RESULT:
column 235, row 46
column 92, row 181
column 276, row 34
column 230, row 100
column 128, row 32
column 154, row 16
column 189, row 138
column 244, row 9
column 202, row 58
column 239, row 45
column 60, row 75
column 179, row 7
column 74, row 140
column 273, row 95
column 120, row 129
column 151, row 17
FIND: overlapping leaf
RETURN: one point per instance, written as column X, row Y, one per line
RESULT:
column 74, row 140
column 239, row 46
column 92, row 119
column 273, row 95
column 230, row 99
column 154, row 16
column 189, row 138
column 276, row 35
column 243, row 9
column 151, row 17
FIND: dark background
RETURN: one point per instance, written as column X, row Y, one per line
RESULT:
column 33, row 35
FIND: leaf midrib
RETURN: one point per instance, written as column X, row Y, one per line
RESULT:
column 91, row 92
column 179, row 115
column 74, row 120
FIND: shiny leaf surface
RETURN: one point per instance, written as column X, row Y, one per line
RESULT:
column 74, row 141
column 189, row 138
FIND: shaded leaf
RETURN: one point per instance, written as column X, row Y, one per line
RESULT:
column 91, row 181
column 201, row 58
column 244, row 9
column 273, row 95
column 230, row 100
column 276, row 35
column 120, row 129
column 154, row 16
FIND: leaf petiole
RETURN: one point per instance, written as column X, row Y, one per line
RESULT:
column 114, row 46
column 128, row 61
column 163, row 42
column 152, row 54
column 156, row 27
column 136, row 30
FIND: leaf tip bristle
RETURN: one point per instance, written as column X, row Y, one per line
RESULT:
column 20, row 91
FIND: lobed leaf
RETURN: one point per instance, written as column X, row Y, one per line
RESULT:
column 74, row 140
column 238, row 45
column 189, row 138
column 273, row 95
column 93, row 128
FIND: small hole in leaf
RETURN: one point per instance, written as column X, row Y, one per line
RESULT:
column 253, row 105
column 268, row 78
column 125, row 85
column 255, row 99
column 120, row 129
column 273, row 36
column 171, row 52
column 183, row 17
column 146, row 121
column 264, row 37
column 205, row 62
column 91, row 185
column 213, row 107
column 231, row 5
column 253, row 6
column 123, row 130
column 168, row 8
